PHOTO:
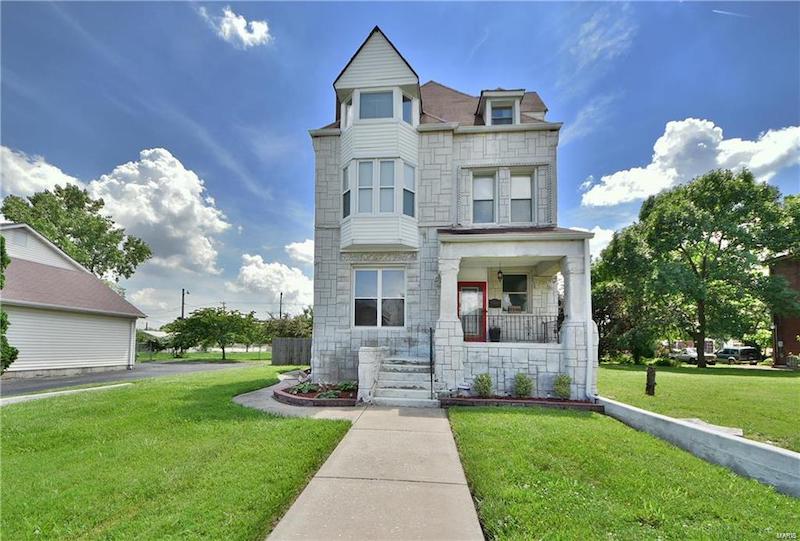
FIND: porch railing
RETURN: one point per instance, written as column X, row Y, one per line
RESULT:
column 481, row 326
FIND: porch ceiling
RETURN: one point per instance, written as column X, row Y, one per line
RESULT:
column 545, row 266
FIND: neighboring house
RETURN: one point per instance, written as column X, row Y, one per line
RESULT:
column 786, row 328
column 63, row 319
column 436, row 209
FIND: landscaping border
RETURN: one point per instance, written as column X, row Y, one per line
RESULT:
column 294, row 400
column 766, row 463
column 522, row 402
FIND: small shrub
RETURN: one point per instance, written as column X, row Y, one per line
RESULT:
column 523, row 385
column 304, row 388
column 347, row 386
column 561, row 386
column 666, row 361
column 483, row 385
column 330, row 393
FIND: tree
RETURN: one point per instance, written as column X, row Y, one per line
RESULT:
column 8, row 353
column 252, row 332
column 72, row 220
column 708, row 240
column 208, row 327
column 299, row 326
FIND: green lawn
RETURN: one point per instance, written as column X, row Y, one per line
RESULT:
column 761, row 402
column 166, row 458
column 162, row 356
column 538, row 473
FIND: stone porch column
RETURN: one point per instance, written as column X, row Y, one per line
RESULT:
column 449, row 340
column 574, row 334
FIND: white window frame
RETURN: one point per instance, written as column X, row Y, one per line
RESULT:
column 399, row 176
column 359, row 187
column 347, row 190
column 405, row 188
column 493, row 176
column 529, row 176
column 380, row 298
column 527, row 291
column 404, row 97
column 393, row 187
column 390, row 90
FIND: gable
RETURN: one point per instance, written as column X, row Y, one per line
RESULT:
column 376, row 63
column 21, row 243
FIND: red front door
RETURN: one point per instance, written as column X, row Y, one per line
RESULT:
column 472, row 310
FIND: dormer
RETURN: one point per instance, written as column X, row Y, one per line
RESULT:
column 377, row 86
column 500, row 107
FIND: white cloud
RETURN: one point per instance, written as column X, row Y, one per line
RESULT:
column 237, row 30
column 269, row 280
column 155, row 198
column 588, row 119
column 148, row 298
column 689, row 148
column 587, row 183
column 22, row 174
column 302, row 252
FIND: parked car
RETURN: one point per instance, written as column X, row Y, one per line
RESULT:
column 739, row 354
column 689, row 355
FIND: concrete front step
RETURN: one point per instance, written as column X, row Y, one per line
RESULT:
column 385, row 383
column 407, row 360
column 394, row 392
column 405, row 402
column 412, row 377
column 405, row 367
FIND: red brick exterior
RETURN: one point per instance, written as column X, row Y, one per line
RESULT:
column 787, row 328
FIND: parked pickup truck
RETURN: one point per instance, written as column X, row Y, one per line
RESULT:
column 689, row 355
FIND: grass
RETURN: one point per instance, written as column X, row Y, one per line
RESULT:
column 760, row 402
column 207, row 356
column 539, row 473
column 166, row 458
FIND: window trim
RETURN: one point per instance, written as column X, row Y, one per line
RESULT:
column 346, row 192
column 392, row 116
column 493, row 176
column 403, row 98
column 527, row 291
column 371, row 188
column 511, row 197
column 393, row 187
column 405, row 189
column 380, row 298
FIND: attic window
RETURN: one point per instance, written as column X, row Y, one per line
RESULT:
column 407, row 109
column 502, row 114
column 376, row 105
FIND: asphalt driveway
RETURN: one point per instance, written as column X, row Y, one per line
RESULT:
column 15, row 387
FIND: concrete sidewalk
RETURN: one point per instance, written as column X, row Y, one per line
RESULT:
column 395, row 475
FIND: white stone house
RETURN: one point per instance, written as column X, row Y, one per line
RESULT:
column 436, row 210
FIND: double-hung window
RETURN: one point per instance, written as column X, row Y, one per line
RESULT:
column 348, row 113
column 379, row 298
column 521, row 200
column 376, row 105
column 515, row 293
column 408, row 109
column 502, row 114
column 365, row 187
column 409, row 190
column 387, row 186
column 345, row 192
column 483, row 199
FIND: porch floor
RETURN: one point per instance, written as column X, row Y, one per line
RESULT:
column 395, row 475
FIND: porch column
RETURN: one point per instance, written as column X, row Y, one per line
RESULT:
column 575, row 338
column 449, row 338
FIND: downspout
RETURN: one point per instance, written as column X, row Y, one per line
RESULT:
column 587, row 265
column 132, row 345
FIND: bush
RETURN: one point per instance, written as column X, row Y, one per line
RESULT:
column 304, row 388
column 330, row 393
column 523, row 385
column 666, row 361
column 347, row 386
column 561, row 386
column 483, row 385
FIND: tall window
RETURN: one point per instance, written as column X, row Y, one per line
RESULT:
column 379, row 298
column 483, row 200
column 407, row 109
column 348, row 113
column 345, row 192
column 376, row 105
column 521, row 201
column 409, row 190
column 502, row 114
column 365, row 187
column 515, row 293
column 387, row 186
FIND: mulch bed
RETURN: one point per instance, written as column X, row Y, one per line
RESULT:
column 523, row 402
column 347, row 398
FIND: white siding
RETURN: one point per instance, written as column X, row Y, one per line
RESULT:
column 53, row 339
column 377, row 64
column 390, row 139
column 21, row 244
column 398, row 231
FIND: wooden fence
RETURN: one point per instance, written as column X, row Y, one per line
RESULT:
column 291, row 351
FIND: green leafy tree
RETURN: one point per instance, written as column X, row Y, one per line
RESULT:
column 707, row 241
column 208, row 327
column 299, row 326
column 252, row 332
column 8, row 353
column 74, row 222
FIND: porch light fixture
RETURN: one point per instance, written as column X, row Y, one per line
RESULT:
column 500, row 276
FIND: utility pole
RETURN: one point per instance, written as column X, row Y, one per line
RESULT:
column 183, row 301
column 280, row 307
column 223, row 305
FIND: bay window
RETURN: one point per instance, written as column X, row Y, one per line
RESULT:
column 408, row 110
column 376, row 105
column 409, row 190
column 365, row 187
column 483, row 199
column 345, row 192
column 521, row 200
column 379, row 298
column 387, row 186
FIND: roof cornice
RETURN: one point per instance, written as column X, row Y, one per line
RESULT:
column 324, row 132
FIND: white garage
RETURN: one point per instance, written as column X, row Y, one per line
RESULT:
column 62, row 319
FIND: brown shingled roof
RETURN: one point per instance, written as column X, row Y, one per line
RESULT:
column 33, row 283
column 450, row 105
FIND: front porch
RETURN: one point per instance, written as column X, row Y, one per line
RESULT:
column 516, row 302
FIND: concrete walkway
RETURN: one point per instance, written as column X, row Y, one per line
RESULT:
column 395, row 475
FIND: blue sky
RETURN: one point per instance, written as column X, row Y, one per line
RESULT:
column 86, row 87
